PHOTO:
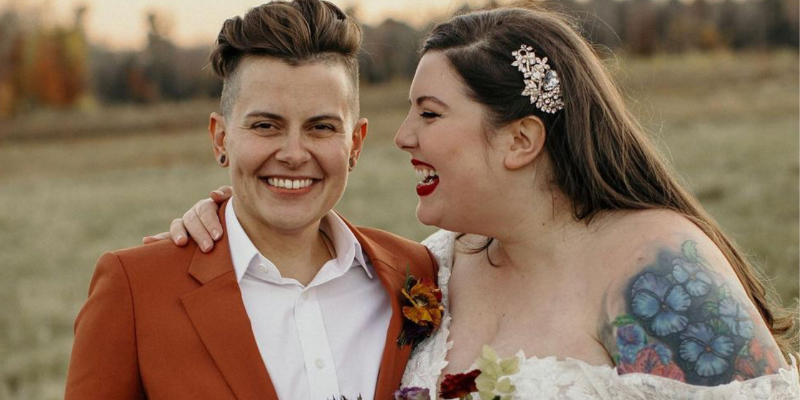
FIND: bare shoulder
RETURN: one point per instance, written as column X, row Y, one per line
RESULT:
column 676, row 309
column 625, row 240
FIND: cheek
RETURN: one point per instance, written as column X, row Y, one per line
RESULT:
column 332, row 157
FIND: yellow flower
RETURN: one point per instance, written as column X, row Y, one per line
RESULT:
column 425, row 308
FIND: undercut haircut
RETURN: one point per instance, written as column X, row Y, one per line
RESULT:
column 297, row 32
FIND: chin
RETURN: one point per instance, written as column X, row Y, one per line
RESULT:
column 288, row 220
column 426, row 217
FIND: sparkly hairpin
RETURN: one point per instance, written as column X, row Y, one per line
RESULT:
column 541, row 83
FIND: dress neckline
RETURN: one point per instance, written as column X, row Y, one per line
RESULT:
column 445, row 272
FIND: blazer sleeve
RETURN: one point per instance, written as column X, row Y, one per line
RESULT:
column 104, row 362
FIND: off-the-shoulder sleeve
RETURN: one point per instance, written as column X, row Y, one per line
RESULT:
column 104, row 363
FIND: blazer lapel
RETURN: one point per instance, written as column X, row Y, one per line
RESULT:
column 220, row 319
column 394, row 359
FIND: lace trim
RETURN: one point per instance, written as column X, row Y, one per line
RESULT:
column 573, row 379
column 429, row 358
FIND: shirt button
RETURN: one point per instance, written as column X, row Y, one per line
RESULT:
column 263, row 268
column 304, row 295
column 319, row 363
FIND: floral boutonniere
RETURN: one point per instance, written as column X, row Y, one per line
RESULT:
column 412, row 393
column 422, row 310
column 490, row 380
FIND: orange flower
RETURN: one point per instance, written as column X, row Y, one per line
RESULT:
column 425, row 308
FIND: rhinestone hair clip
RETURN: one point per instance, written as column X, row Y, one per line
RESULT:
column 541, row 82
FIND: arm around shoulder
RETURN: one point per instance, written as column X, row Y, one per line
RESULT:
column 104, row 362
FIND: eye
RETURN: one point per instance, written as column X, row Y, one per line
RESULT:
column 263, row 125
column 326, row 127
column 429, row 115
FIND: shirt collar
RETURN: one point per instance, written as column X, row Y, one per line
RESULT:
column 243, row 251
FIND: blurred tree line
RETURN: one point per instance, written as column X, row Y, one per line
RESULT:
column 43, row 66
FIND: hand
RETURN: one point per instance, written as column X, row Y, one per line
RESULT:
column 201, row 222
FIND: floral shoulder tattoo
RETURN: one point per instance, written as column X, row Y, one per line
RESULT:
column 683, row 322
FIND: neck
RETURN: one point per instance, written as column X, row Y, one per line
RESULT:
column 536, row 238
column 298, row 253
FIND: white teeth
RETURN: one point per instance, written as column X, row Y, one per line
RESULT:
column 424, row 172
column 289, row 183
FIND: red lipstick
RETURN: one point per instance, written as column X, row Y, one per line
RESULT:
column 430, row 183
column 416, row 162
column 427, row 186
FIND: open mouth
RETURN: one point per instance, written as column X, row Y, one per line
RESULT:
column 288, row 184
column 428, row 175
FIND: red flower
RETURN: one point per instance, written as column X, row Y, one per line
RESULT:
column 459, row 385
column 755, row 361
column 649, row 362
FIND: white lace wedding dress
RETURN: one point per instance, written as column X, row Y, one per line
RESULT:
column 550, row 378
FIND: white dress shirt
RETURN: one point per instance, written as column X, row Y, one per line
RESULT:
column 322, row 340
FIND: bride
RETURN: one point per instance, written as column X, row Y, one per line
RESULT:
column 580, row 260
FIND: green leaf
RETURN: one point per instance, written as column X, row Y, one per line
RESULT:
column 509, row 366
column 624, row 319
column 504, row 385
column 711, row 309
column 486, row 395
column 689, row 250
column 745, row 351
column 489, row 354
column 719, row 326
column 410, row 280
column 723, row 292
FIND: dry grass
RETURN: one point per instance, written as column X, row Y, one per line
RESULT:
column 728, row 122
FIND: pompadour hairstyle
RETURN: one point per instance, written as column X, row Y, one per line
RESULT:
column 296, row 32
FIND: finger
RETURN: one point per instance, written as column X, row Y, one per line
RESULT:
column 222, row 194
column 178, row 233
column 207, row 211
column 155, row 238
column 196, row 230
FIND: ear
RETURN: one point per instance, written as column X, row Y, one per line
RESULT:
column 527, row 141
column 216, row 128
column 359, row 135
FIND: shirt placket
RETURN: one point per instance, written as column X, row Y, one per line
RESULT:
column 320, row 368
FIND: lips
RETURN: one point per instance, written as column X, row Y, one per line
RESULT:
column 429, row 178
column 289, row 185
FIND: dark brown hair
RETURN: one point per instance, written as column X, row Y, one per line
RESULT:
column 601, row 157
column 296, row 32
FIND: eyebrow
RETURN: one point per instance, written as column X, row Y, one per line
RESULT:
column 318, row 118
column 422, row 99
column 264, row 114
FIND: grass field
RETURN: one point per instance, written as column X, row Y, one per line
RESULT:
column 728, row 122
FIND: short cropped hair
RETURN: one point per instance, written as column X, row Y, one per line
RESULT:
column 296, row 32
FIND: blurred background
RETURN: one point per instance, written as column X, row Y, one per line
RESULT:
column 103, row 108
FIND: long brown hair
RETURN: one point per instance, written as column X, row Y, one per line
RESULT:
column 602, row 158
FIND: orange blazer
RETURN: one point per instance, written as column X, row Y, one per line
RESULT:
column 168, row 322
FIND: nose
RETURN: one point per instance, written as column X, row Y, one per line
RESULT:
column 405, row 138
column 294, row 151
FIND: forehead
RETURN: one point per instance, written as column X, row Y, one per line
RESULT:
column 436, row 77
column 304, row 90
